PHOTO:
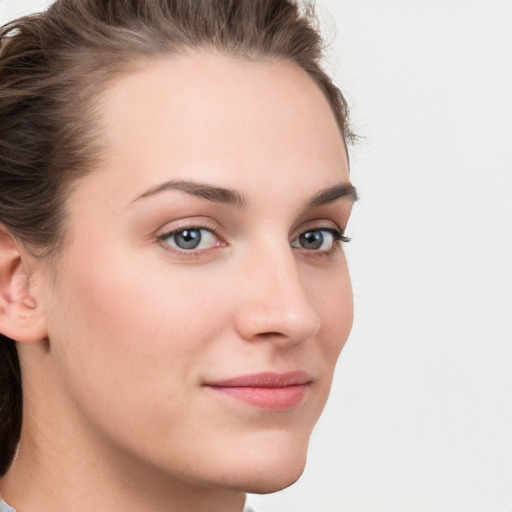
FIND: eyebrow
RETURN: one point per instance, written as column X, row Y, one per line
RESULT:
column 209, row 192
column 331, row 194
column 234, row 198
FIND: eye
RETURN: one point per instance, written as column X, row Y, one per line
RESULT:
column 190, row 239
column 318, row 239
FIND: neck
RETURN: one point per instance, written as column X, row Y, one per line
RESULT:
column 49, row 473
column 65, row 463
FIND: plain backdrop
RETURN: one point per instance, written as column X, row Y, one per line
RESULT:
column 420, row 416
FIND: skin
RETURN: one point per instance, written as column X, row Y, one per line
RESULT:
column 128, row 331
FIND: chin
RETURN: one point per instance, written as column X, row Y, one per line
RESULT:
column 272, row 483
column 270, row 469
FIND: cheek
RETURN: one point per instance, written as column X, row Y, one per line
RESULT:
column 134, row 339
column 333, row 302
column 134, row 312
column 133, row 323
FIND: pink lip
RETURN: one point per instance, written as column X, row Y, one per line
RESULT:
column 270, row 391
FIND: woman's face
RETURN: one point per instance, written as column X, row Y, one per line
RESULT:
column 203, row 300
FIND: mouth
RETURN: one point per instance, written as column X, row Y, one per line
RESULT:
column 267, row 391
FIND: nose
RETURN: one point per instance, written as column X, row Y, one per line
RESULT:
column 274, row 304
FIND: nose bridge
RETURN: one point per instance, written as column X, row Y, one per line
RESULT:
column 275, row 301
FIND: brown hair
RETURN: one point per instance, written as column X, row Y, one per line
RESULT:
column 52, row 66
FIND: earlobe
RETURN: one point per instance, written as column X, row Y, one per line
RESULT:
column 20, row 314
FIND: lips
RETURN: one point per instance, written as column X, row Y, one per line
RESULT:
column 269, row 391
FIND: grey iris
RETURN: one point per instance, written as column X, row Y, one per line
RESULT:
column 188, row 238
column 311, row 239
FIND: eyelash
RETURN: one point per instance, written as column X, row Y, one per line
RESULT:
column 337, row 234
column 187, row 252
column 339, row 238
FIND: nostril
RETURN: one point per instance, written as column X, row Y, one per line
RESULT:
column 270, row 334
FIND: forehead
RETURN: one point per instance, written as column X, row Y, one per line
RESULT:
column 191, row 116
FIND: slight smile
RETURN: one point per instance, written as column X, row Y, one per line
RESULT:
column 268, row 390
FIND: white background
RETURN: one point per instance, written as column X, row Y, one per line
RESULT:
column 420, row 417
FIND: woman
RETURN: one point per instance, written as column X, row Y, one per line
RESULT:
column 173, row 290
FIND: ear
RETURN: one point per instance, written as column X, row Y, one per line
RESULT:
column 21, row 317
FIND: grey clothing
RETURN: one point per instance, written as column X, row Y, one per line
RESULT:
column 5, row 508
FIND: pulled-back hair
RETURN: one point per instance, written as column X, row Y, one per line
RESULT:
column 52, row 67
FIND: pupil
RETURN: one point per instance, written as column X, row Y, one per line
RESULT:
column 312, row 239
column 188, row 238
